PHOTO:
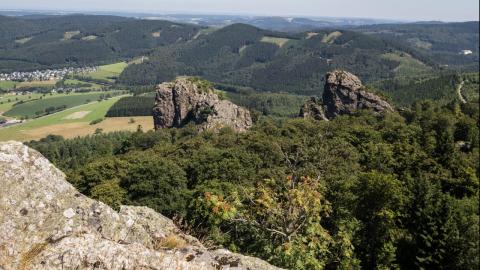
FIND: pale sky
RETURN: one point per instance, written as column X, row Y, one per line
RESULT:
column 414, row 10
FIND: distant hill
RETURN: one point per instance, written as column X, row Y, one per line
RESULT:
column 443, row 42
column 31, row 42
column 244, row 55
column 238, row 55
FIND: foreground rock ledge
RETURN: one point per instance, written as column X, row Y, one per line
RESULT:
column 45, row 223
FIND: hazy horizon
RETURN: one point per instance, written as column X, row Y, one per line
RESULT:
column 408, row 10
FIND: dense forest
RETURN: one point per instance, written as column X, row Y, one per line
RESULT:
column 131, row 106
column 393, row 191
column 243, row 55
column 76, row 40
column 442, row 41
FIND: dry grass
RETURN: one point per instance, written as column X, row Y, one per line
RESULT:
column 138, row 60
column 170, row 242
column 37, row 83
column 68, row 35
column 77, row 115
column 330, row 38
column 28, row 257
column 242, row 48
column 311, row 34
column 72, row 130
column 23, row 40
column 91, row 37
column 275, row 40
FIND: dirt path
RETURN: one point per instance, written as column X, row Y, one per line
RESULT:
column 459, row 92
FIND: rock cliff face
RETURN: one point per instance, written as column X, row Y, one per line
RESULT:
column 187, row 100
column 46, row 224
column 313, row 109
column 343, row 94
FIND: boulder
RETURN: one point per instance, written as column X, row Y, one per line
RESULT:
column 190, row 99
column 45, row 223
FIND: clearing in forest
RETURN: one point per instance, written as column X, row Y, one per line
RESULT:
column 275, row 40
column 330, row 38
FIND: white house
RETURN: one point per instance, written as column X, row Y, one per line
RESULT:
column 466, row 52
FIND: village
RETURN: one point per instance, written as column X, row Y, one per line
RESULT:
column 44, row 75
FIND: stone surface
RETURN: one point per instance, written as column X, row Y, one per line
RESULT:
column 345, row 94
column 313, row 109
column 45, row 223
column 185, row 100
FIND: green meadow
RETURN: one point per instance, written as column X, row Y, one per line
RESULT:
column 30, row 108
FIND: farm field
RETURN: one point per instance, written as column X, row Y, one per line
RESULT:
column 74, row 122
column 73, row 82
column 7, row 85
column 7, row 101
column 29, row 109
column 108, row 72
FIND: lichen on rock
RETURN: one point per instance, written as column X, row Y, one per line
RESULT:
column 45, row 223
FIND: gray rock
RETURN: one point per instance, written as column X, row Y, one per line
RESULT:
column 343, row 94
column 185, row 100
column 313, row 109
column 45, row 223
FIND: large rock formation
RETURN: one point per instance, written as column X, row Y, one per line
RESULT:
column 344, row 94
column 191, row 100
column 45, row 223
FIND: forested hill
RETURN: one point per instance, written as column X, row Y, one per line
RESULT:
column 239, row 54
column 244, row 55
column 50, row 41
column 442, row 41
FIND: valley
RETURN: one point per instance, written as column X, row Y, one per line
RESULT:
column 170, row 141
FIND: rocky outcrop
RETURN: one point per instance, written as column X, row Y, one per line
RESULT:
column 313, row 109
column 45, row 223
column 344, row 94
column 191, row 100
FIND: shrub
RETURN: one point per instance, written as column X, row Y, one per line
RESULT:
column 96, row 121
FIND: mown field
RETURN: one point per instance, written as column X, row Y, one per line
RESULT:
column 107, row 72
column 30, row 109
column 8, row 85
column 74, row 122
column 7, row 101
column 75, row 82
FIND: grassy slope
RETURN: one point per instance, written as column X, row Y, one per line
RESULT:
column 107, row 72
column 59, row 123
column 6, row 105
column 7, row 85
column 71, row 100
column 409, row 66
column 275, row 40
column 72, row 82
